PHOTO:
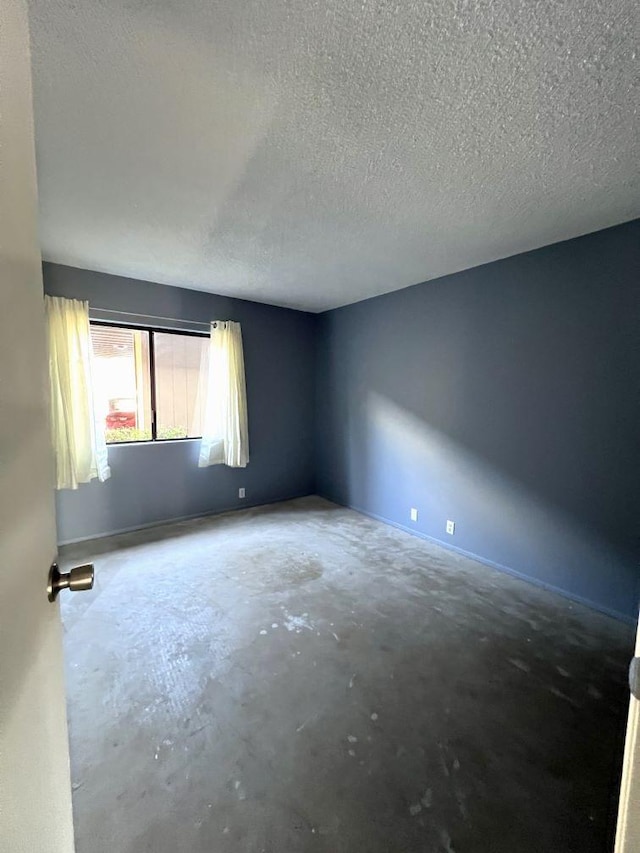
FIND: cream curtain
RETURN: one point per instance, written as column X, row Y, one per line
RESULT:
column 78, row 439
column 225, row 437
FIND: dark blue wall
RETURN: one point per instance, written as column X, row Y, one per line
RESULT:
column 506, row 398
column 155, row 482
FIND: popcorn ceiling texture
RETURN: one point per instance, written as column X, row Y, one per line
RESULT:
column 312, row 153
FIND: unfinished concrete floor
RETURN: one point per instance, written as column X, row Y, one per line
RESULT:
column 301, row 678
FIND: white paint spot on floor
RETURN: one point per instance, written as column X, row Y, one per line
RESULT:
column 445, row 838
column 351, row 680
column 519, row 664
column 415, row 809
column 263, row 632
column 374, row 716
column 352, row 739
column 336, row 636
column 225, row 831
column 456, row 764
column 562, row 695
column 275, row 625
column 352, row 753
column 297, row 623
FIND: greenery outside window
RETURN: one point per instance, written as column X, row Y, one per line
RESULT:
column 149, row 384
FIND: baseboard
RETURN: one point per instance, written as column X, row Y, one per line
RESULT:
column 178, row 519
column 594, row 605
column 607, row 611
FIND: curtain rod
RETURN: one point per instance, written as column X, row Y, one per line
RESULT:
column 148, row 316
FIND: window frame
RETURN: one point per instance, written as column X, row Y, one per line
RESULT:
column 151, row 330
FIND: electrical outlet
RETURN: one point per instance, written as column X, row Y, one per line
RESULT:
column 241, row 493
column 451, row 527
column 414, row 514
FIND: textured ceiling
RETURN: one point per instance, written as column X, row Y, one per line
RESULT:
column 315, row 152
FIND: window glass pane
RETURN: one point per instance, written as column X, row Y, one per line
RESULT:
column 121, row 382
column 180, row 384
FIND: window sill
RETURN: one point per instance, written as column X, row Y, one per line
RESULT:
column 151, row 443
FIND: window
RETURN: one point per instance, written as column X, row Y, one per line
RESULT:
column 149, row 385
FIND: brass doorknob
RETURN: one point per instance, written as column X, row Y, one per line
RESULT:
column 76, row 580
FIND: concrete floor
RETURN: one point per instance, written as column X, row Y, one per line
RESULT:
column 301, row 678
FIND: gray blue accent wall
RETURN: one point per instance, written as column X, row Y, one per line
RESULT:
column 156, row 482
column 507, row 399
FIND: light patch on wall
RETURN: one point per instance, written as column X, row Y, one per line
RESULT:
column 406, row 457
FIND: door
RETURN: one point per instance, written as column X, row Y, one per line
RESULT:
column 35, row 789
column 628, row 836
